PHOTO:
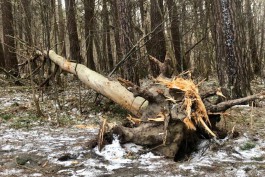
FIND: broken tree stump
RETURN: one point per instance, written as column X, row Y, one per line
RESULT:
column 165, row 109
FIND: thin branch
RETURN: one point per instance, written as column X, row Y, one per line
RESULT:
column 134, row 49
column 228, row 104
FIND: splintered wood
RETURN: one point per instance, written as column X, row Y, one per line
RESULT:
column 192, row 99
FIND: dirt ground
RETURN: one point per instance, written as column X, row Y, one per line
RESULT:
column 59, row 143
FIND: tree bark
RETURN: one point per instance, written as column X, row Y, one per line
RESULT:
column 175, row 33
column 111, row 89
column 114, row 10
column 156, row 46
column 106, row 37
column 11, row 63
column 89, row 6
column 27, row 11
column 61, row 35
column 125, row 24
column 252, row 40
column 72, row 30
column 229, row 56
column 2, row 56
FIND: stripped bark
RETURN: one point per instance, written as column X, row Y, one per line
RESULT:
column 107, row 87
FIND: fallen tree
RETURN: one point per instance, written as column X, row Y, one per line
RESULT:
column 164, row 110
column 105, row 86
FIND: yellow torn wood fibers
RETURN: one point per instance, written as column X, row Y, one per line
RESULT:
column 201, row 109
column 133, row 120
column 192, row 97
column 160, row 118
column 101, row 133
column 188, row 104
column 189, row 124
column 206, row 127
column 219, row 93
column 67, row 65
column 171, row 99
column 181, row 84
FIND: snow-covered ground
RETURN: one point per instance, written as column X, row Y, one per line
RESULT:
column 42, row 145
column 231, row 158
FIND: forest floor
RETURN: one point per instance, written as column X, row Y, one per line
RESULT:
column 58, row 144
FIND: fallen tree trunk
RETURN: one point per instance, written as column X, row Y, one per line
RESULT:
column 107, row 87
column 164, row 108
column 223, row 106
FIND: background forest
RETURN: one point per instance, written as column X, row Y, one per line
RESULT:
column 174, row 80
column 224, row 38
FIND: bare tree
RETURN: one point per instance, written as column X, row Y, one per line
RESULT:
column 61, row 34
column 262, row 41
column 230, row 64
column 125, row 22
column 11, row 62
column 89, row 6
column 156, row 46
column 106, row 36
column 252, row 39
column 2, row 57
column 72, row 30
column 114, row 10
column 27, row 11
column 175, row 33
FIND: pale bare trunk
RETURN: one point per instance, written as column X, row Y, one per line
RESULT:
column 109, row 88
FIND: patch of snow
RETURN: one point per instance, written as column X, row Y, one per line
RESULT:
column 54, row 142
column 114, row 153
column 35, row 174
column 74, row 110
column 8, row 147
column 241, row 106
column 131, row 147
column 9, row 101
column 10, row 172
column 149, row 155
column 241, row 173
column 190, row 168
column 150, row 161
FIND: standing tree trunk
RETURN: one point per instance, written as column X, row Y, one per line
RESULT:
column 72, row 30
column 252, row 40
column 55, row 26
column 228, row 55
column 2, row 56
column 61, row 34
column 106, row 37
column 11, row 62
column 105, row 23
column 89, row 6
column 27, row 11
column 262, row 40
column 18, row 25
column 125, row 23
column 114, row 9
column 175, row 33
column 26, row 4
column 156, row 46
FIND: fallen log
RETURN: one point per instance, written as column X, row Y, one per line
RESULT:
column 223, row 106
column 164, row 109
column 105, row 86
